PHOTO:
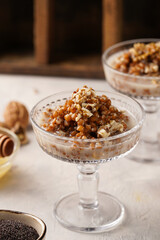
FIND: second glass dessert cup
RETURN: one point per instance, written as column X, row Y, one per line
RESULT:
column 146, row 89
column 89, row 210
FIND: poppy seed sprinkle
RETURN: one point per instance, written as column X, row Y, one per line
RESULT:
column 16, row 230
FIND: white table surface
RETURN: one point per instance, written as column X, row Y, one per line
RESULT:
column 36, row 180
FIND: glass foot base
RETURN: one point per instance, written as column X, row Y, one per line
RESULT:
column 146, row 152
column 105, row 217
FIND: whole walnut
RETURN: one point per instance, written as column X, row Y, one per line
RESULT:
column 16, row 114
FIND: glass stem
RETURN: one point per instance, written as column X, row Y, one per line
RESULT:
column 88, row 180
column 151, row 124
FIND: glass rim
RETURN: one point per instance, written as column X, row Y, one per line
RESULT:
column 133, row 129
column 122, row 44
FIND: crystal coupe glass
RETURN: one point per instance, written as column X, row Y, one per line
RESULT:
column 146, row 89
column 89, row 210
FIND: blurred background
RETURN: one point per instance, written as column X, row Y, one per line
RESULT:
column 67, row 38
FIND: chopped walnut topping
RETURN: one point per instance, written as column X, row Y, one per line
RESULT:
column 86, row 112
column 78, row 117
column 86, row 116
column 141, row 59
column 103, row 133
column 112, row 127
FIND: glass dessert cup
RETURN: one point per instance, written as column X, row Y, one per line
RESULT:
column 146, row 89
column 89, row 210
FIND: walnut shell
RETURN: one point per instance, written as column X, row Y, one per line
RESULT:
column 16, row 112
column 4, row 125
column 21, row 133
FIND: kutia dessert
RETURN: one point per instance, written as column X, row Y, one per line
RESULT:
column 86, row 116
column 84, row 126
column 137, row 68
column 141, row 60
column 15, row 230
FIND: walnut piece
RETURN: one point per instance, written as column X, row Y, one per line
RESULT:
column 17, row 118
column 14, row 113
